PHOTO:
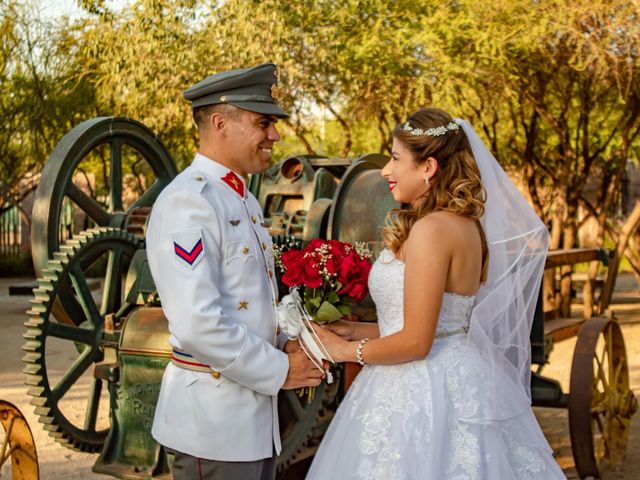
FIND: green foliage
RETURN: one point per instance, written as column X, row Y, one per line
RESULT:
column 40, row 93
column 324, row 305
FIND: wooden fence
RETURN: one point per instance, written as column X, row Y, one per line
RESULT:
column 10, row 233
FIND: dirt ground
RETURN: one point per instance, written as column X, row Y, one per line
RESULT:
column 57, row 462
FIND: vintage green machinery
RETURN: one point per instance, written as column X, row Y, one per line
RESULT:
column 114, row 338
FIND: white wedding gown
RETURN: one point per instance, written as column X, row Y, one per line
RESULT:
column 429, row 418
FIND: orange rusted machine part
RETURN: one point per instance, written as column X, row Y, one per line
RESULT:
column 18, row 444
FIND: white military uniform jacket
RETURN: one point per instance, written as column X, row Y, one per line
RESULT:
column 211, row 259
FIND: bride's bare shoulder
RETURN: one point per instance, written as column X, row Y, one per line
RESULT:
column 441, row 222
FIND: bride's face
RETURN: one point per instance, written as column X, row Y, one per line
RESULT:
column 405, row 177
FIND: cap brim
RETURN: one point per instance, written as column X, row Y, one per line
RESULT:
column 261, row 107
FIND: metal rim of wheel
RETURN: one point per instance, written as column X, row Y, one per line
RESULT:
column 57, row 184
column 18, row 443
column 69, row 265
column 600, row 401
column 352, row 214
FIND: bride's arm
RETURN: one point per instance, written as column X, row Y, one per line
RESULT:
column 427, row 256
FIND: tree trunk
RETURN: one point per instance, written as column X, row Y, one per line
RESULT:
column 550, row 300
column 568, row 241
column 609, row 194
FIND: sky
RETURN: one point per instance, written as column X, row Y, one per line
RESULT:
column 56, row 8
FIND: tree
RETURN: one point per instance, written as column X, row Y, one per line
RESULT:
column 554, row 86
column 39, row 98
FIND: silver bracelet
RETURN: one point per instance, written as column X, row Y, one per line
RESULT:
column 359, row 350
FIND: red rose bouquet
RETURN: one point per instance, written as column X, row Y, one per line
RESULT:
column 334, row 275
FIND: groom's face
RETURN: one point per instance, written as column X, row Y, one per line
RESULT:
column 405, row 177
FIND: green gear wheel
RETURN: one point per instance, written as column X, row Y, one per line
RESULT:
column 69, row 269
column 302, row 424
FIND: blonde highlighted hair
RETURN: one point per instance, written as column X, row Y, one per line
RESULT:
column 456, row 187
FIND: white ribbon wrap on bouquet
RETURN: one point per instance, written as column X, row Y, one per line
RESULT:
column 296, row 323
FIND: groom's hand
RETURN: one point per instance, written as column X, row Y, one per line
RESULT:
column 302, row 372
column 291, row 346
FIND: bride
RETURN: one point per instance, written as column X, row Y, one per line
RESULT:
column 444, row 392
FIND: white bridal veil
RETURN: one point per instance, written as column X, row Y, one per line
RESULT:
column 501, row 319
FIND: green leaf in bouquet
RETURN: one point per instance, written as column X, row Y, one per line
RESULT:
column 310, row 308
column 333, row 297
column 309, row 293
column 327, row 313
column 350, row 302
column 315, row 301
column 345, row 310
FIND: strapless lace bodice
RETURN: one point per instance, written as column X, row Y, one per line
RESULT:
column 386, row 284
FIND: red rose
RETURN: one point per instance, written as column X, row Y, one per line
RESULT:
column 357, row 291
column 294, row 263
column 333, row 265
column 354, row 275
column 314, row 245
column 348, row 267
column 311, row 273
column 337, row 249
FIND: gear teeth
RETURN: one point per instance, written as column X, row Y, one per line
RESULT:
column 34, row 381
column 35, row 320
column 33, row 369
column 45, row 284
column 42, row 411
column 55, row 274
column 36, row 391
column 61, row 256
column 38, row 309
column 56, row 264
column 39, row 402
column 33, row 344
column 32, row 357
column 51, row 428
column 51, row 275
column 41, row 294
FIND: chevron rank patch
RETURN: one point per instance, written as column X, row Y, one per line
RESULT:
column 188, row 247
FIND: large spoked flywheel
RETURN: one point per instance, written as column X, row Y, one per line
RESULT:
column 303, row 424
column 102, row 173
column 67, row 395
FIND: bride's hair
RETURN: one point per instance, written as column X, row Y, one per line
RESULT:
column 456, row 187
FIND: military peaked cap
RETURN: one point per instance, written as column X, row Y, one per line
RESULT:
column 247, row 88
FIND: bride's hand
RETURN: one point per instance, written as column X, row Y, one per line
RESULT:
column 334, row 344
column 343, row 328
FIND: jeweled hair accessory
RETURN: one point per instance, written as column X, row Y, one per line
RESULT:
column 431, row 132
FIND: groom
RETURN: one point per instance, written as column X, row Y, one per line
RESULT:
column 210, row 255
